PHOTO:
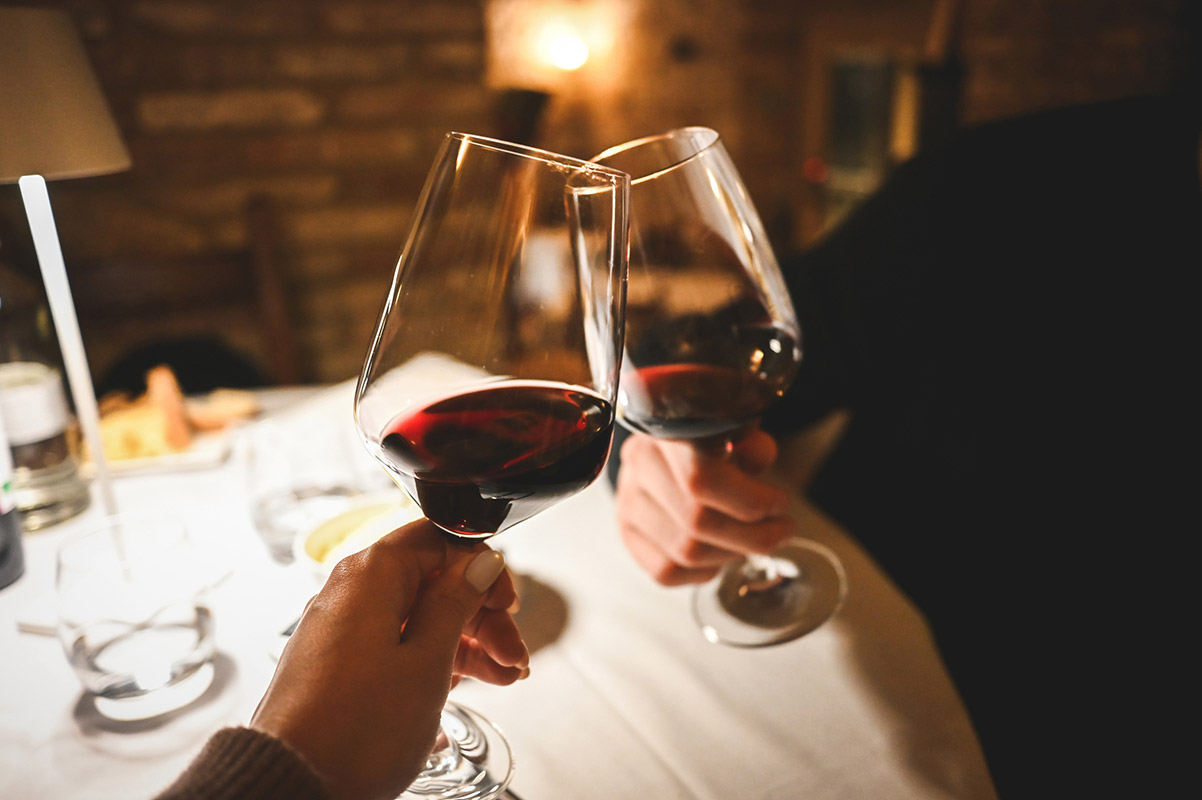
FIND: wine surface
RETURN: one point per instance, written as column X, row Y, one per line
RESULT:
column 692, row 401
column 703, row 376
column 484, row 460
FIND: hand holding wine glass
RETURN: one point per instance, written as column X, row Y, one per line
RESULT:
column 389, row 688
column 489, row 389
column 712, row 340
column 684, row 514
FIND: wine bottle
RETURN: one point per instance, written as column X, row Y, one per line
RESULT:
column 47, row 485
column 12, row 554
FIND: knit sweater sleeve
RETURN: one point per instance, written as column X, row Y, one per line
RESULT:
column 244, row 764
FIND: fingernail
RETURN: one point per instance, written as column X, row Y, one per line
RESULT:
column 484, row 569
column 525, row 673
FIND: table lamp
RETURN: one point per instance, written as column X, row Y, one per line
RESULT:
column 55, row 124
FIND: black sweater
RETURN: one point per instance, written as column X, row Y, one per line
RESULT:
column 1012, row 324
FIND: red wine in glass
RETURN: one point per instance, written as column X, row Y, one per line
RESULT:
column 483, row 460
column 712, row 340
column 710, row 400
column 489, row 386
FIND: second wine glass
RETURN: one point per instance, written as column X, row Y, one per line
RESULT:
column 489, row 389
column 712, row 340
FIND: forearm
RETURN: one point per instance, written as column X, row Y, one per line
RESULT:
column 244, row 764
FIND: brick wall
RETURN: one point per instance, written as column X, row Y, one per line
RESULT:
column 336, row 107
column 333, row 108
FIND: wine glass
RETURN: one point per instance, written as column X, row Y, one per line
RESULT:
column 489, row 389
column 711, row 340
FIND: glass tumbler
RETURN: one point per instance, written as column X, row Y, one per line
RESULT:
column 133, row 616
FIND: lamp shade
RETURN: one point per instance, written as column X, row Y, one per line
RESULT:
column 54, row 120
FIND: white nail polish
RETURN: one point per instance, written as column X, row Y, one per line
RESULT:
column 484, row 569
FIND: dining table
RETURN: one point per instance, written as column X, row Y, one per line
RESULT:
column 625, row 698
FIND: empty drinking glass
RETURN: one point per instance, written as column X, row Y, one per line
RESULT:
column 133, row 616
column 304, row 465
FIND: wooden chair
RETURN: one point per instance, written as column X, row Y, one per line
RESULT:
column 221, row 319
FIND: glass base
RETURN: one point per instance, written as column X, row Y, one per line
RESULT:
column 772, row 599
column 473, row 762
column 160, row 701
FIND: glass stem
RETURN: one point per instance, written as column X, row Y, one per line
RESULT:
column 759, row 573
column 443, row 759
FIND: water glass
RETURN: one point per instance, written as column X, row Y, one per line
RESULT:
column 133, row 615
column 302, row 467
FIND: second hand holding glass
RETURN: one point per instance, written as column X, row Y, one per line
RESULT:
column 489, row 389
column 711, row 341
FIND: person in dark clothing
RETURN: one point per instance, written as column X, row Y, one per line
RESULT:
column 1010, row 326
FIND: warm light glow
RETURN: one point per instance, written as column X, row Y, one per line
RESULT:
column 564, row 48
column 555, row 45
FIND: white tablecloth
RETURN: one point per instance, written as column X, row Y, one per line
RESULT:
column 625, row 699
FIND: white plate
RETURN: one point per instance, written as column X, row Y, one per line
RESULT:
column 208, row 450
column 350, row 531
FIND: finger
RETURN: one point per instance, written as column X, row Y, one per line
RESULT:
column 720, row 484
column 451, row 601
column 658, row 565
column 682, row 521
column 755, row 452
column 498, row 634
column 658, row 540
column 503, row 594
column 471, row 660
column 644, row 467
column 389, row 573
column 678, row 534
column 712, row 530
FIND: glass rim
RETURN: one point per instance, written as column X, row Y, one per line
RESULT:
column 539, row 154
column 714, row 139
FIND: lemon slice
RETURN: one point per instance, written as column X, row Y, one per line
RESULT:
column 353, row 530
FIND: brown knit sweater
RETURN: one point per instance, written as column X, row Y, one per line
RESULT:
column 244, row 764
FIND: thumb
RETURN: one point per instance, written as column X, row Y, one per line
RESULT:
column 756, row 452
column 451, row 600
